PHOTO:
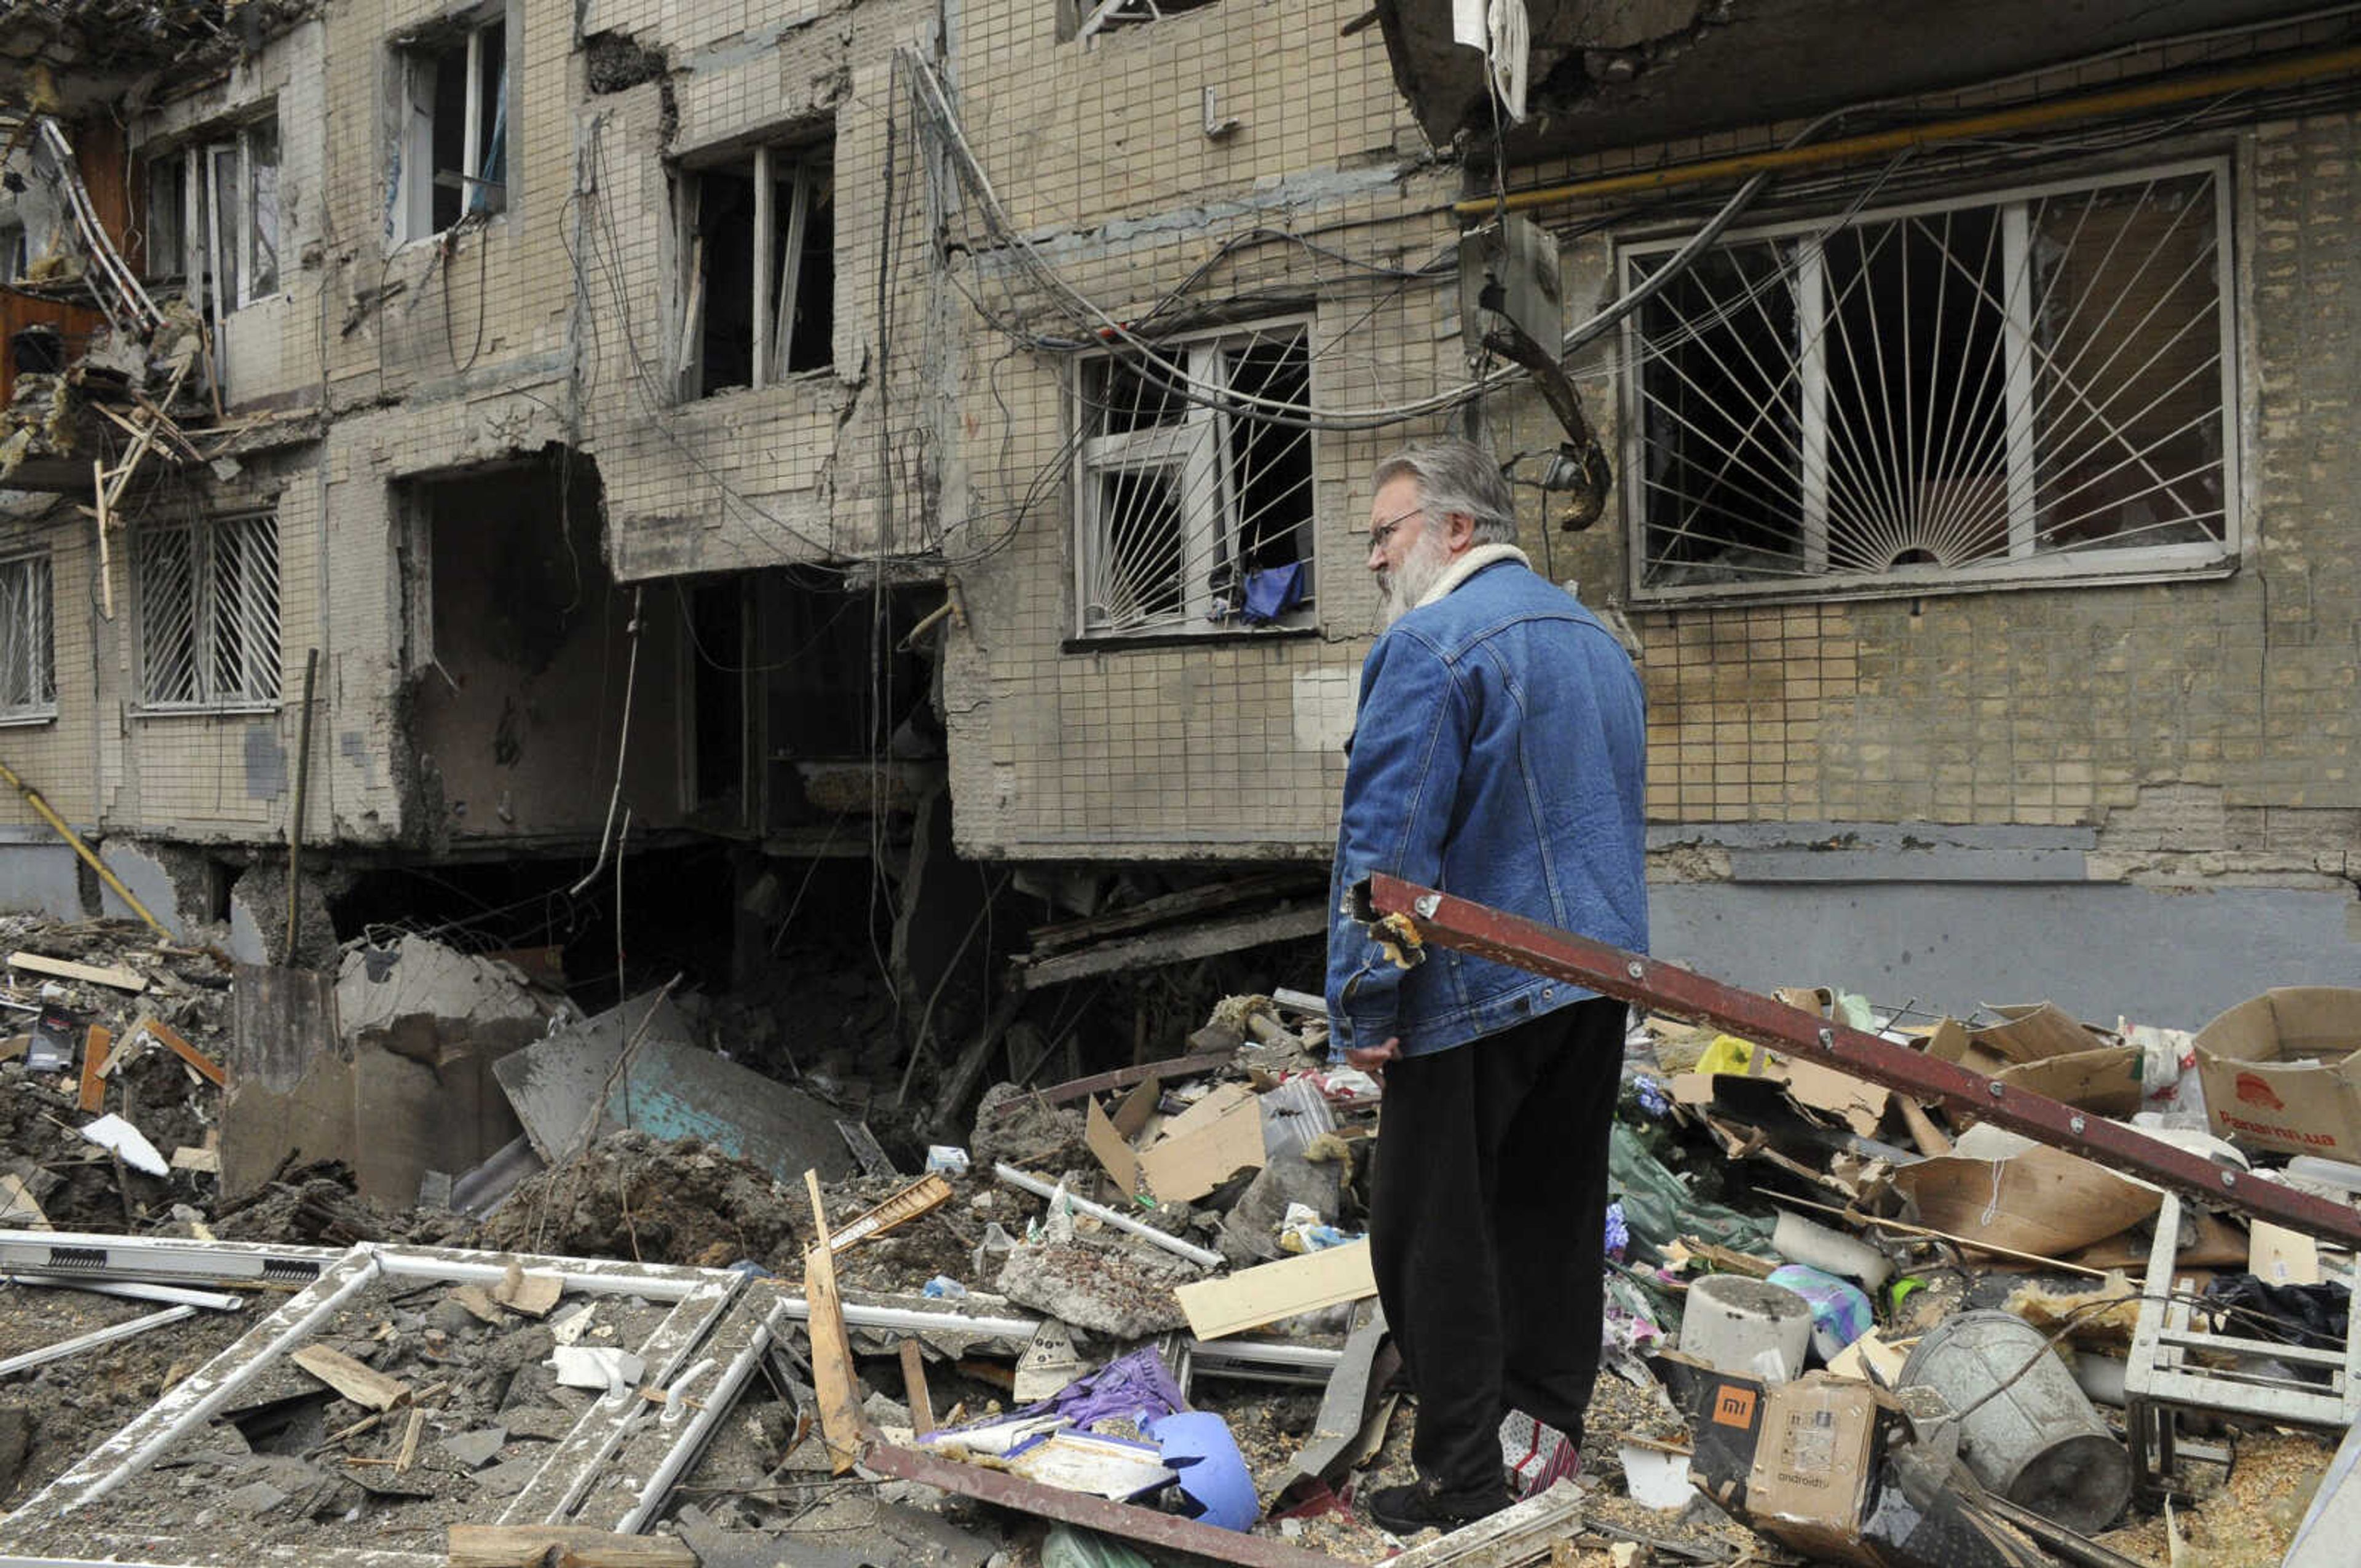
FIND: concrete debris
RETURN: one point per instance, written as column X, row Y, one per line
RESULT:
column 1136, row 1217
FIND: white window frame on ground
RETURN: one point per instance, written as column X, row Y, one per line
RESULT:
column 1203, row 449
column 794, row 182
column 230, row 264
column 486, row 134
column 29, row 683
column 209, row 613
column 1839, row 498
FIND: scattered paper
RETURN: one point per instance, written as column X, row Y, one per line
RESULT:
column 111, row 1132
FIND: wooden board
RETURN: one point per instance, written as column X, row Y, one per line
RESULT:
column 531, row 1294
column 170, row 1037
column 93, row 1097
column 843, row 1426
column 1252, row 1296
column 90, row 974
column 364, row 1386
column 562, row 1546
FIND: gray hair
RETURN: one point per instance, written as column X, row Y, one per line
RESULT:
column 1456, row 475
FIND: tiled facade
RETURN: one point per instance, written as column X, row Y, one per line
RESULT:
column 937, row 448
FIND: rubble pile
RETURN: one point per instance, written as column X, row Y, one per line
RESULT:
column 1131, row 1318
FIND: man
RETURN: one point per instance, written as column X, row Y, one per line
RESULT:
column 1497, row 754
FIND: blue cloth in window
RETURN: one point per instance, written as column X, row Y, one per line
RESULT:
column 1271, row 593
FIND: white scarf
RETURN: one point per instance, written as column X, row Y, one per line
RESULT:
column 1467, row 564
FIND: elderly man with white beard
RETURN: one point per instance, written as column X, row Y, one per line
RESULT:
column 1498, row 754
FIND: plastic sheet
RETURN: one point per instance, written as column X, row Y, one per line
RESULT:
column 1659, row 1208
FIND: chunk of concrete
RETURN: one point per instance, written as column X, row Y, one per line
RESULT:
column 1249, row 1233
column 1123, row 1293
column 670, row 1089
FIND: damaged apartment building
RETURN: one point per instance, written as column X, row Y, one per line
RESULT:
column 846, row 483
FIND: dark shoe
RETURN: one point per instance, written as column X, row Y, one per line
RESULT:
column 1406, row 1510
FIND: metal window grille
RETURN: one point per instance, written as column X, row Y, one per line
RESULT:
column 27, row 667
column 2029, row 386
column 209, row 612
column 1181, row 503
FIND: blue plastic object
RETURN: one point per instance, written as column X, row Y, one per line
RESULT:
column 1213, row 1474
column 1841, row 1313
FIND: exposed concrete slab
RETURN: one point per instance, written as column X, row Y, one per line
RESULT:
column 567, row 1085
column 40, row 879
column 2167, row 956
column 169, row 879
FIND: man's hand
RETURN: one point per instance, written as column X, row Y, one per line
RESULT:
column 1372, row 1060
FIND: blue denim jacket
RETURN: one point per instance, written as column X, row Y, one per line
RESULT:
column 1499, row 754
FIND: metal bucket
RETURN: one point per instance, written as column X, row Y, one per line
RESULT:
column 1730, row 1321
column 2036, row 1442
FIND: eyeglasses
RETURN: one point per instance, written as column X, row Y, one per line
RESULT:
column 1384, row 532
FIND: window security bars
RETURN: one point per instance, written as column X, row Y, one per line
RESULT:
column 1185, row 509
column 28, row 660
column 2030, row 387
column 208, row 613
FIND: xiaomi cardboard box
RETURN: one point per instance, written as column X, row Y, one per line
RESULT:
column 2283, row 1071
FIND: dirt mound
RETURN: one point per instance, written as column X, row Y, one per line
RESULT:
column 633, row 1196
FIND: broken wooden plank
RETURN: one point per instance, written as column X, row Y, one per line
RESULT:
column 842, row 1427
column 914, row 1389
column 1274, row 1290
column 93, row 1097
column 1162, row 947
column 478, row 1302
column 364, row 1386
column 1121, row 1077
column 1144, row 1525
column 1519, row 1534
column 66, row 969
column 531, row 1294
column 164, row 1035
column 924, row 1196
column 561, row 1546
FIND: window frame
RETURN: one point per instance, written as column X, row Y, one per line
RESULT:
column 198, row 214
column 811, row 164
column 1198, row 456
column 204, row 535
column 40, row 642
column 409, row 205
column 2027, row 565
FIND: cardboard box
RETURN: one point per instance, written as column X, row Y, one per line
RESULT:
column 2283, row 1071
column 1808, row 1486
column 1195, row 1152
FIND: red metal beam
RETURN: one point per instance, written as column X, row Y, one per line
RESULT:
column 1167, row 1530
column 1685, row 994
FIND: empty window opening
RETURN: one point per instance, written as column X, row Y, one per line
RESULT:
column 453, row 159
column 29, row 688
column 2032, row 386
column 758, row 243
column 208, row 611
column 13, row 258
column 1195, row 492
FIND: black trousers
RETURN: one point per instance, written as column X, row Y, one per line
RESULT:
column 1488, row 1221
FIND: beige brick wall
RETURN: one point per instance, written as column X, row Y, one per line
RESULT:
column 1228, row 745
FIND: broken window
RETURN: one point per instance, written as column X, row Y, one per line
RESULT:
column 1194, row 487
column 208, row 611
column 1099, row 15
column 452, row 161
column 213, row 217
column 2026, row 387
column 758, row 274
column 28, row 669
